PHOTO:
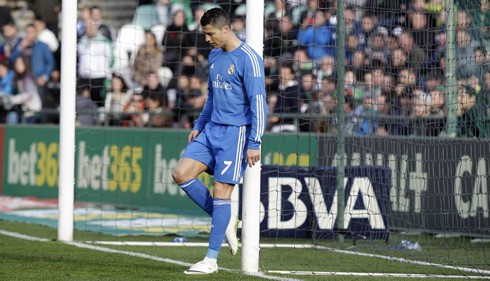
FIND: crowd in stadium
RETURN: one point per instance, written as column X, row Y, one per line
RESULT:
column 395, row 66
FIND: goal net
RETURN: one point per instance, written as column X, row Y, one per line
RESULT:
column 405, row 110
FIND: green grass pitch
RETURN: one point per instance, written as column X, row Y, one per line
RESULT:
column 33, row 260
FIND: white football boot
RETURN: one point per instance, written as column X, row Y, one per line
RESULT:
column 202, row 267
column 231, row 236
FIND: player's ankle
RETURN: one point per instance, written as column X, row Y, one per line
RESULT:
column 210, row 261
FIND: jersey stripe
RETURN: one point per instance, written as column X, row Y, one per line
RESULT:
column 255, row 58
column 260, row 117
column 254, row 61
column 244, row 130
column 239, row 155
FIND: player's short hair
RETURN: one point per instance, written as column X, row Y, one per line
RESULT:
column 216, row 17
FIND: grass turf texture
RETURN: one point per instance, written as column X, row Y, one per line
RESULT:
column 32, row 260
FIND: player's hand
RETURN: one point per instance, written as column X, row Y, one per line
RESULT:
column 253, row 156
column 193, row 134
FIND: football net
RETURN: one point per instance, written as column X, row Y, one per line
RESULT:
column 405, row 111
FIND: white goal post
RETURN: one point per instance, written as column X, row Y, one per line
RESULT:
column 66, row 195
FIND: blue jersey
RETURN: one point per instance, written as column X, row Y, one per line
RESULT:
column 236, row 92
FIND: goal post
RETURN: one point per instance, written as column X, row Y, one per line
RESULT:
column 251, row 179
column 66, row 195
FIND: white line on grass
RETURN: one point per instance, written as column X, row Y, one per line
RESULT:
column 472, row 270
column 376, row 274
column 22, row 236
column 133, row 254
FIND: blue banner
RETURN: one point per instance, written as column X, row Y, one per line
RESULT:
column 301, row 202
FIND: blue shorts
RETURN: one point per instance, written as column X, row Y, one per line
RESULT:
column 223, row 148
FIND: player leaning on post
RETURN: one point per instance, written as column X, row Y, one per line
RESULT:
column 227, row 134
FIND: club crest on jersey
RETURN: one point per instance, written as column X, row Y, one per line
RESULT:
column 231, row 70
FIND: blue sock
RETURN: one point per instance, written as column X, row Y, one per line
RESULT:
column 219, row 223
column 199, row 193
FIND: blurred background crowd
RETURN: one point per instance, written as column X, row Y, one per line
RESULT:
column 153, row 70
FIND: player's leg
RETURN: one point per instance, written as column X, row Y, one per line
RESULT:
column 229, row 168
column 196, row 159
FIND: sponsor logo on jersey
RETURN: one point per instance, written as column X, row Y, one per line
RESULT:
column 231, row 70
column 218, row 83
column 212, row 66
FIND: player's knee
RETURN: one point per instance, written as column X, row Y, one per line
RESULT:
column 178, row 176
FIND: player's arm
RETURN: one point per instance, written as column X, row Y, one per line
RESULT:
column 205, row 115
column 254, row 82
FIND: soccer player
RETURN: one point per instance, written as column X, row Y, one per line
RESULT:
column 228, row 133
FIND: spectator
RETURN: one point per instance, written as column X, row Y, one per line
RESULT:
column 198, row 37
column 352, row 46
column 25, row 91
column 318, row 37
column 45, row 35
column 368, row 30
column 238, row 27
column 326, row 69
column 308, row 86
column 283, row 39
column 464, row 53
column 48, row 10
column 40, row 56
column 86, row 108
column 160, row 115
column 423, row 34
column 378, row 50
column 116, row 100
column 358, row 67
column 471, row 122
column 106, row 30
column 136, row 108
column 350, row 118
column 94, row 61
column 438, row 105
column 53, row 91
column 434, row 81
column 6, row 79
column 308, row 16
column 465, row 22
column 482, row 62
column 352, row 26
column 177, row 40
column 281, row 9
column 5, row 16
column 367, row 123
column 388, row 126
column 148, row 59
column 153, row 86
column 415, row 55
column 328, row 86
column 196, row 24
column 327, row 105
column 86, row 17
column 289, row 100
column 191, row 66
column 166, row 11
column 12, row 38
column 301, row 63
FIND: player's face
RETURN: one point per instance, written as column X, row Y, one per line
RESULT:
column 215, row 36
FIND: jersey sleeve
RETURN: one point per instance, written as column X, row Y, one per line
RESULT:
column 205, row 115
column 254, row 82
